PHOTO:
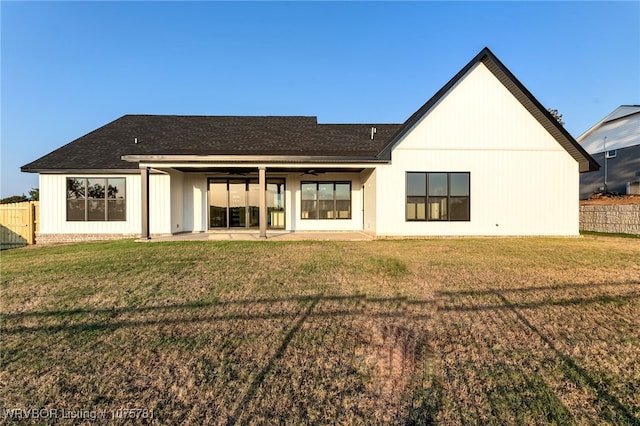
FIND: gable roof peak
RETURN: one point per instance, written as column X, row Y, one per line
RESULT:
column 517, row 89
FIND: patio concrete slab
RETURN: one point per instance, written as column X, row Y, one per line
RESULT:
column 271, row 236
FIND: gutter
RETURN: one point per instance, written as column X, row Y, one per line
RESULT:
column 261, row 159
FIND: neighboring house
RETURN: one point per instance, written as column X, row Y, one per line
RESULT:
column 614, row 142
column 481, row 157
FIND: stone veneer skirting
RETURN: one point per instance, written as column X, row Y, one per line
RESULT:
column 76, row 238
column 613, row 219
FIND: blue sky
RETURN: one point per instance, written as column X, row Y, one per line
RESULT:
column 71, row 67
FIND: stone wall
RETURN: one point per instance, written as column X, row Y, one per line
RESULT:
column 614, row 219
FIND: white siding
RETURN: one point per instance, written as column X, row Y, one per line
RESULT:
column 522, row 181
column 621, row 132
column 177, row 201
column 195, row 202
column 159, row 204
column 53, row 207
column 296, row 223
column 369, row 195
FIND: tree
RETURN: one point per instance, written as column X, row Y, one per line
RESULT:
column 34, row 194
column 14, row 199
column 555, row 114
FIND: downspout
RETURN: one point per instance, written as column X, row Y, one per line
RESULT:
column 605, row 165
column 144, row 181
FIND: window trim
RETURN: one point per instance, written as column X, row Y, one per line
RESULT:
column 87, row 199
column 426, row 197
column 613, row 153
column 335, row 215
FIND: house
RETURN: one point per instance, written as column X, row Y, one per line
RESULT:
column 481, row 157
column 614, row 142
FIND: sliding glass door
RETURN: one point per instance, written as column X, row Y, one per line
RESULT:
column 218, row 200
column 275, row 203
column 235, row 203
column 253, row 204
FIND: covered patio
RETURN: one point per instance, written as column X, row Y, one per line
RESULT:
column 246, row 200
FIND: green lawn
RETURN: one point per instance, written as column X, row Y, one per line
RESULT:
column 492, row 331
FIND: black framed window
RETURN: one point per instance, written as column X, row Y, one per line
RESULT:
column 96, row 199
column 438, row 196
column 325, row 200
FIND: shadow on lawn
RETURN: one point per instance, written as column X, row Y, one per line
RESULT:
column 524, row 290
column 578, row 374
column 427, row 399
column 379, row 327
column 514, row 300
column 196, row 305
column 111, row 323
column 259, row 378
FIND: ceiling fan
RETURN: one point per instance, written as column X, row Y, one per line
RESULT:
column 312, row 172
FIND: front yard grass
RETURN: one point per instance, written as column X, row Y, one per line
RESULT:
column 491, row 331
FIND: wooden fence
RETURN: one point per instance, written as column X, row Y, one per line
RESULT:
column 19, row 224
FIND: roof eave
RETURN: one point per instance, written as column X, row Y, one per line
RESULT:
column 540, row 113
column 93, row 171
column 604, row 121
column 243, row 159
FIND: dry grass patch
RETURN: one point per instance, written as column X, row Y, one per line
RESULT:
column 496, row 331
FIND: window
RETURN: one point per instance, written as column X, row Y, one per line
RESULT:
column 437, row 196
column 326, row 200
column 96, row 199
column 612, row 154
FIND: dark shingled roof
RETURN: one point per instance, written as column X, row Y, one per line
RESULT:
column 213, row 135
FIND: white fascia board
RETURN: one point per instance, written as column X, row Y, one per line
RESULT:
column 249, row 159
column 268, row 166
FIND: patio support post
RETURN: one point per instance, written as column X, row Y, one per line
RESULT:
column 144, row 178
column 262, row 183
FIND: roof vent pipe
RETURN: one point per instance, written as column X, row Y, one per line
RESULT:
column 373, row 132
column 135, row 140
